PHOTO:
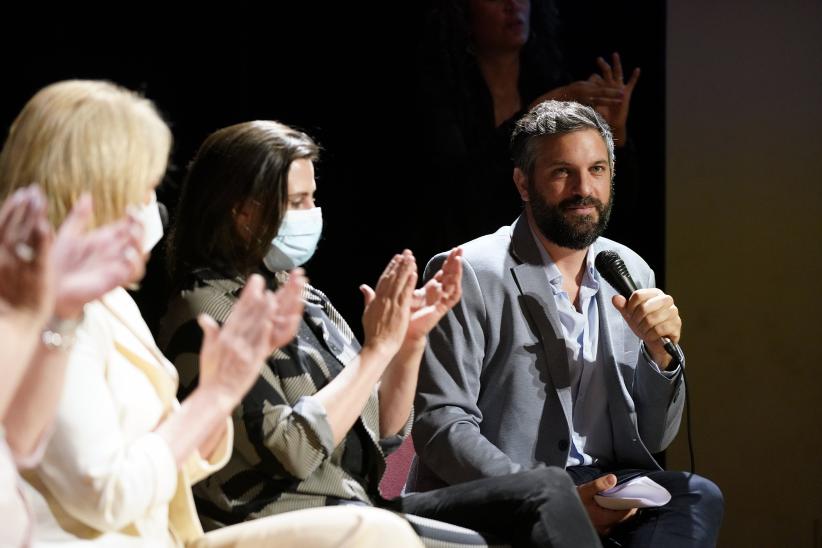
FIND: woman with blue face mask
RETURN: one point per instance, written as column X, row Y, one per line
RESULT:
column 316, row 427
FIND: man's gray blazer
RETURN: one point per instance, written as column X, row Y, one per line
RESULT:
column 494, row 395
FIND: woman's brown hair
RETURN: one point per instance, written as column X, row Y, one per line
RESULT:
column 236, row 166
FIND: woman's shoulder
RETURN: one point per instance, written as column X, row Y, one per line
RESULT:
column 102, row 316
column 198, row 294
column 208, row 292
column 313, row 295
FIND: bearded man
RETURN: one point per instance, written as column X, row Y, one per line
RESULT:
column 542, row 363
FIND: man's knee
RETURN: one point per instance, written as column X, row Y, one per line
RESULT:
column 710, row 496
column 548, row 482
column 693, row 493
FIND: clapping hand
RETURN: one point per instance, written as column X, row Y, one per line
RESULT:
column 436, row 297
column 26, row 270
column 288, row 310
column 231, row 356
column 388, row 306
column 91, row 263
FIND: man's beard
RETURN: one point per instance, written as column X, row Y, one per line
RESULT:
column 576, row 231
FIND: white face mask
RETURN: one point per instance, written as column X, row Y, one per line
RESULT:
column 149, row 215
column 296, row 240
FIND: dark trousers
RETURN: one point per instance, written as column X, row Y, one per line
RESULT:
column 691, row 519
column 534, row 508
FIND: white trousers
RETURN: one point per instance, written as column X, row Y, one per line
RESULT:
column 327, row 527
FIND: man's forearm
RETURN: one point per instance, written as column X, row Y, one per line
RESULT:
column 659, row 403
column 458, row 452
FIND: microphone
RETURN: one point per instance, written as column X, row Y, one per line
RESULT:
column 610, row 265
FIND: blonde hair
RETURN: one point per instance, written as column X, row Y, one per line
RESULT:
column 86, row 136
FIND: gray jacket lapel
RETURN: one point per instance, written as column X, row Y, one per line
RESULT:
column 610, row 329
column 542, row 313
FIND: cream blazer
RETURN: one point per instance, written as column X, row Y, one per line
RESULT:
column 106, row 478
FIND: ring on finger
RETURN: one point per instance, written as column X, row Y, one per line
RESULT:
column 24, row 252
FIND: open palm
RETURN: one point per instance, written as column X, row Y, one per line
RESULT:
column 436, row 297
column 91, row 263
column 615, row 113
column 26, row 270
column 286, row 315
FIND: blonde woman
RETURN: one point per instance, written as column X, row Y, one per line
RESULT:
column 32, row 301
column 124, row 453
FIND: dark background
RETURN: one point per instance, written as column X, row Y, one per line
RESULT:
column 345, row 74
column 744, row 116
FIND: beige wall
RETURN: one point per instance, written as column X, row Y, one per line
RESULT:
column 744, row 257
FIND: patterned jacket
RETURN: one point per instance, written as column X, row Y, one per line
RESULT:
column 284, row 458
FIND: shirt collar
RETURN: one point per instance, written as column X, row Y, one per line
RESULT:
column 589, row 278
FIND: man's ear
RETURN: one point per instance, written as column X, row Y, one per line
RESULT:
column 521, row 180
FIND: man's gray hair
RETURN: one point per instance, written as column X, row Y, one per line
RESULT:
column 555, row 118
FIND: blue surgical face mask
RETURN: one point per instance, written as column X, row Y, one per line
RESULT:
column 296, row 240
